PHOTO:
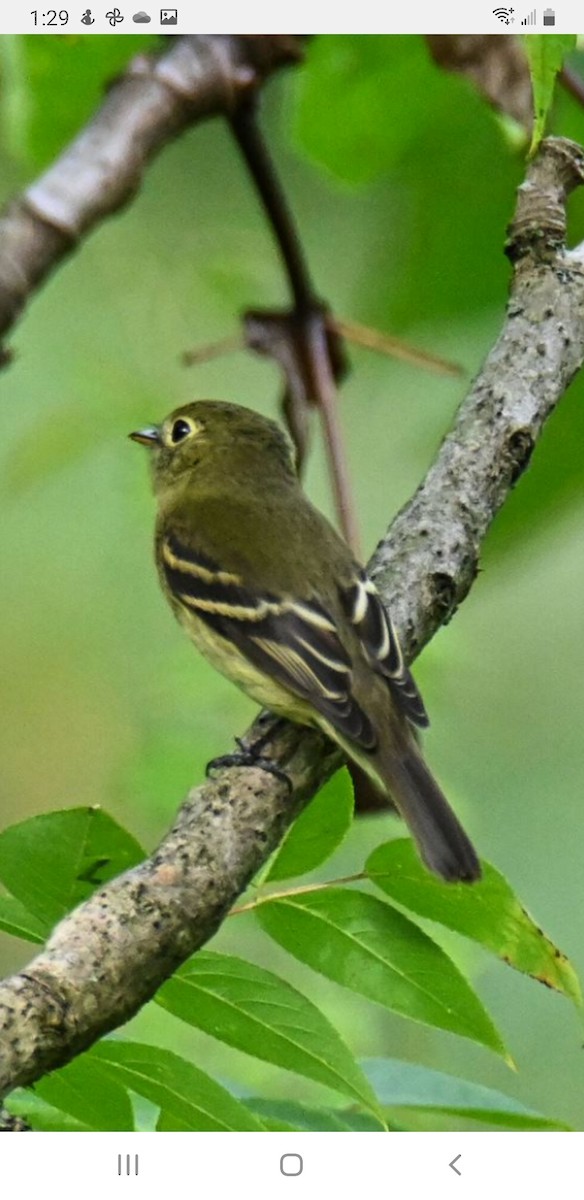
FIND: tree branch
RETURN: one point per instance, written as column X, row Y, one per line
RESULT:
column 308, row 350
column 155, row 100
column 247, row 133
column 110, row 955
column 435, row 539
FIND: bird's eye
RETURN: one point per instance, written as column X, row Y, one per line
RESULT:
column 180, row 430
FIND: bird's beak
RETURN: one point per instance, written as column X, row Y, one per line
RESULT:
column 150, row 436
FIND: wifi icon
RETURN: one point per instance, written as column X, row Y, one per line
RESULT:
column 504, row 14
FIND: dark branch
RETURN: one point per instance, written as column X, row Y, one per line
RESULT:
column 250, row 140
column 300, row 339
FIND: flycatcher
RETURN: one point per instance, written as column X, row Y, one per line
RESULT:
column 272, row 596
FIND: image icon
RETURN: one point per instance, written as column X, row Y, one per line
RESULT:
column 168, row 16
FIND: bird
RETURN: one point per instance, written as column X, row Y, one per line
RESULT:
column 274, row 598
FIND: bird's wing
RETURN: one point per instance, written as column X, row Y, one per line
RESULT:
column 292, row 641
column 373, row 626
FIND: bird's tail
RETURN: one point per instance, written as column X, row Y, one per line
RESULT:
column 441, row 840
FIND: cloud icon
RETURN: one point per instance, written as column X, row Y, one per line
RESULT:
column 141, row 18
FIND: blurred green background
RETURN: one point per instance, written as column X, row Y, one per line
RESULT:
column 402, row 194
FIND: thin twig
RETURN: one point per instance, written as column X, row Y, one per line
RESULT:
column 354, row 332
column 384, row 343
column 326, row 390
column 201, row 354
column 308, row 360
column 247, row 133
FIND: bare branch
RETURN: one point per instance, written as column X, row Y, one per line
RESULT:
column 309, row 353
column 318, row 343
column 201, row 354
column 110, row 955
column 392, row 347
column 247, row 133
column 154, row 101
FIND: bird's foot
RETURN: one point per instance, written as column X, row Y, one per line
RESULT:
column 249, row 755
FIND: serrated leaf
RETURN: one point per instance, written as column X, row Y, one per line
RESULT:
column 18, row 921
column 84, row 1091
column 369, row 947
column 545, row 53
column 318, row 831
column 54, row 861
column 488, row 912
column 259, row 1013
column 408, row 1085
column 182, row 1091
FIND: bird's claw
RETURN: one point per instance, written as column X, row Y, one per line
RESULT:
column 248, row 757
column 249, row 754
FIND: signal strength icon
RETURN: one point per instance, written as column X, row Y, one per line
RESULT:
column 505, row 15
column 531, row 19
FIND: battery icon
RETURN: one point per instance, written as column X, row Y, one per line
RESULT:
column 549, row 16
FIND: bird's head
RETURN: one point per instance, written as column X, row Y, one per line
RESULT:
column 211, row 436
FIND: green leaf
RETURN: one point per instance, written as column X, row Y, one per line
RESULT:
column 183, row 1092
column 52, row 85
column 283, row 1114
column 54, row 861
column 16, row 919
column 255, row 1011
column 407, row 1085
column 42, row 1118
column 488, row 912
column 84, row 1091
column 368, row 946
column 545, row 53
column 320, row 828
column 170, row 1124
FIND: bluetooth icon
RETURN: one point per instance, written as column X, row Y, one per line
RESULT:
column 114, row 16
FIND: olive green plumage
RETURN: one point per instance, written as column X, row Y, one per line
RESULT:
column 273, row 597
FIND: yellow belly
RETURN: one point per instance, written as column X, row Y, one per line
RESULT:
column 227, row 659
column 267, row 692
